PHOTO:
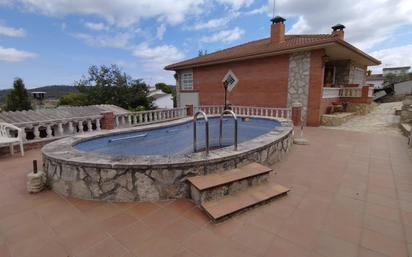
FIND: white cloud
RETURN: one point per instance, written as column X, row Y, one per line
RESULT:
column 215, row 23
column 120, row 40
column 160, row 31
column 367, row 22
column 260, row 10
column 392, row 57
column 14, row 55
column 225, row 36
column 11, row 32
column 211, row 24
column 122, row 12
column 98, row 26
column 159, row 56
column 236, row 4
column 299, row 27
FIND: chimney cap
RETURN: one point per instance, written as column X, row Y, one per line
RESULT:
column 338, row 27
column 277, row 19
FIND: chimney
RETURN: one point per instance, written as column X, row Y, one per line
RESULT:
column 338, row 31
column 277, row 30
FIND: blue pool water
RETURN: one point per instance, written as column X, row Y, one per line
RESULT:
column 176, row 139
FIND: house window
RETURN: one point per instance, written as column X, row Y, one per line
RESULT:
column 187, row 80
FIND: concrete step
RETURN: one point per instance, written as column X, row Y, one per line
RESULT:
column 227, row 206
column 215, row 186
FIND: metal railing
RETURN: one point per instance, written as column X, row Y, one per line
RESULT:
column 195, row 131
column 221, row 127
column 285, row 113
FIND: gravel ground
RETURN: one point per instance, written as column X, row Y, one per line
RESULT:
column 382, row 120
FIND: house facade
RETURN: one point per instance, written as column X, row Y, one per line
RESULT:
column 276, row 72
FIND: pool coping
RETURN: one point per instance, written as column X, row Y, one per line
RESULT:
column 63, row 151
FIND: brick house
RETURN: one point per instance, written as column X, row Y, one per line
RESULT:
column 279, row 71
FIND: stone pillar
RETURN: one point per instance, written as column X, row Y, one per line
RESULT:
column 189, row 109
column 108, row 120
column 296, row 113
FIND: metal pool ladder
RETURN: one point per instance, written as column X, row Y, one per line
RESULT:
column 206, row 130
column 221, row 127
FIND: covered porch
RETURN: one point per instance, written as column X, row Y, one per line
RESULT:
column 344, row 81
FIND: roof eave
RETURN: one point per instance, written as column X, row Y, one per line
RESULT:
column 373, row 60
column 247, row 57
column 316, row 45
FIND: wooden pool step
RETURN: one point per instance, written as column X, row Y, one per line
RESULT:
column 215, row 186
column 226, row 193
column 224, row 207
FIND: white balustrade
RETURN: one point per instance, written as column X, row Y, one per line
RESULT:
column 51, row 129
column 331, row 92
column 98, row 127
column 153, row 116
column 350, row 92
column 248, row 111
column 370, row 92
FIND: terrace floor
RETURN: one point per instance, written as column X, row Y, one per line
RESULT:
column 351, row 196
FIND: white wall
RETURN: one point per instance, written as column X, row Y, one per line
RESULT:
column 376, row 83
column 165, row 101
column 188, row 98
column 403, row 88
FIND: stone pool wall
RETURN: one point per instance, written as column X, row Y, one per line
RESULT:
column 89, row 178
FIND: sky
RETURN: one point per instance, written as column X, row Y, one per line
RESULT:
column 55, row 41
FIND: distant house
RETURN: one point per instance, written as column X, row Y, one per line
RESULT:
column 161, row 99
column 278, row 71
column 397, row 71
column 403, row 88
column 376, row 80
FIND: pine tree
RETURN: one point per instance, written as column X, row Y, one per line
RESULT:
column 18, row 98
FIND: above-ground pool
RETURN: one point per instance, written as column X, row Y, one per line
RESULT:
column 152, row 162
column 177, row 139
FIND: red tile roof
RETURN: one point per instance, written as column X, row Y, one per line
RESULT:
column 263, row 47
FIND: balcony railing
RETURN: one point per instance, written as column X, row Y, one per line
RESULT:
column 147, row 117
column 331, row 92
column 285, row 113
column 350, row 92
column 334, row 92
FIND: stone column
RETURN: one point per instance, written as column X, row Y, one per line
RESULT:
column 108, row 120
column 296, row 113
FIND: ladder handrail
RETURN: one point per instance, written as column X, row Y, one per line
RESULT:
column 221, row 126
column 206, row 130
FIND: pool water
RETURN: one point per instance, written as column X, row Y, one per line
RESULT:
column 177, row 139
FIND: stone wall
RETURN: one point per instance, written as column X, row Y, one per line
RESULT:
column 359, row 108
column 406, row 112
column 88, row 178
column 298, row 81
column 347, row 72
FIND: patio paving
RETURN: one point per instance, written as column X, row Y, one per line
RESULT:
column 351, row 195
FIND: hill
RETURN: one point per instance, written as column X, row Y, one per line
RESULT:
column 52, row 91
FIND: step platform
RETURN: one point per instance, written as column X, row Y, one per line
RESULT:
column 226, row 193
column 214, row 186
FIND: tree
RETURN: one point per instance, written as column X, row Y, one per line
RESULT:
column 165, row 88
column 73, row 99
column 18, row 98
column 109, row 85
column 392, row 78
